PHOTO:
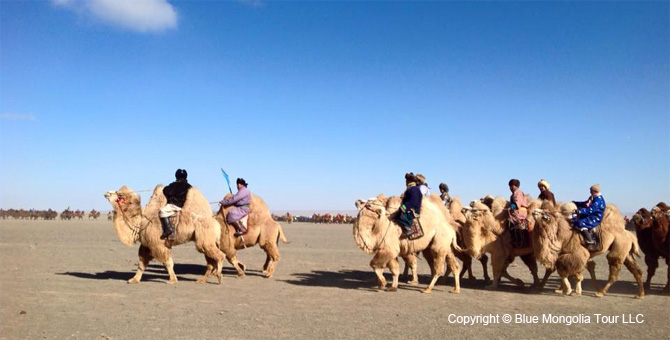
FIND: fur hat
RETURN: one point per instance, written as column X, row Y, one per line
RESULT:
column 444, row 187
column 595, row 188
column 544, row 183
column 515, row 182
column 180, row 174
column 410, row 178
column 421, row 179
column 242, row 181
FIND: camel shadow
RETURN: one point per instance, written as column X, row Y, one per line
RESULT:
column 197, row 269
column 343, row 279
column 122, row 276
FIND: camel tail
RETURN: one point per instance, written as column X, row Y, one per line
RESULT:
column 454, row 245
column 281, row 235
column 635, row 250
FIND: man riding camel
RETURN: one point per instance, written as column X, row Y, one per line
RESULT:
column 518, row 210
column 410, row 207
column 175, row 193
column 589, row 214
column 241, row 202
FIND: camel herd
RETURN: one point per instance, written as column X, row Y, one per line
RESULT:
column 49, row 214
column 482, row 229
column 478, row 231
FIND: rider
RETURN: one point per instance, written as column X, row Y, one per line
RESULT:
column 241, row 202
column 545, row 194
column 517, row 214
column 423, row 186
column 175, row 193
column 589, row 213
column 410, row 207
column 444, row 194
column 517, row 203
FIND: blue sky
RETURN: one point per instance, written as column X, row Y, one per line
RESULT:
column 317, row 104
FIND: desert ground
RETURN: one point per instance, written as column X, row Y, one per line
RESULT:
column 67, row 280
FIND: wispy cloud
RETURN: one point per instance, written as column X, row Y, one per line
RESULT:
column 13, row 116
column 143, row 16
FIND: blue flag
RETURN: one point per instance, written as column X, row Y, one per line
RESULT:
column 225, row 175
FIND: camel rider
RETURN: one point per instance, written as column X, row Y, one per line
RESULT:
column 410, row 207
column 518, row 210
column 589, row 213
column 517, row 202
column 175, row 193
column 545, row 194
column 423, row 186
column 241, row 202
column 444, row 194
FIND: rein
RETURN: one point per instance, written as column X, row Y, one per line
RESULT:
column 375, row 249
column 135, row 229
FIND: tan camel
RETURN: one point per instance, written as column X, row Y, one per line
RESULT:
column 262, row 231
column 133, row 224
column 485, row 232
column 559, row 246
column 376, row 233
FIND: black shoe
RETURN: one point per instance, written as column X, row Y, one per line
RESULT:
column 587, row 237
column 167, row 228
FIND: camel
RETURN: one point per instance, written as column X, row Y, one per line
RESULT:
column 652, row 233
column 458, row 219
column 262, row 230
column 484, row 231
column 559, row 246
column 133, row 224
column 376, row 233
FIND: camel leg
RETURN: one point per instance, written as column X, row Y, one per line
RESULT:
column 652, row 264
column 591, row 267
column 214, row 258
column 615, row 269
column 145, row 257
column 405, row 271
column 453, row 266
column 411, row 262
column 566, row 284
column 268, row 259
column 273, row 252
column 467, row 266
column 437, row 269
column 632, row 266
column 169, row 265
column 498, row 268
column 530, row 262
column 547, row 273
column 505, row 274
column 484, row 260
column 378, row 263
column 667, row 282
column 578, row 284
column 394, row 267
column 236, row 264
column 211, row 265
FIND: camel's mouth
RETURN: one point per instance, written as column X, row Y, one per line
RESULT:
column 109, row 195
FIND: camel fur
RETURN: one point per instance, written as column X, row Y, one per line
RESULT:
column 652, row 233
column 376, row 233
column 262, row 231
column 485, row 232
column 560, row 247
column 134, row 224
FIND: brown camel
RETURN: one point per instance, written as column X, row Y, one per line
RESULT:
column 652, row 233
column 485, row 232
column 376, row 233
column 132, row 224
column 559, row 246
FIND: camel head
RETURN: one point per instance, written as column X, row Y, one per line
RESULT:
column 474, row 228
column 370, row 212
column 124, row 200
column 660, row 212
column 642, row 219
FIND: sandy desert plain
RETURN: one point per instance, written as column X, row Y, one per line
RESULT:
column 67, row 280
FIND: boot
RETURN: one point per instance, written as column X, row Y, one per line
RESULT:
column 587, row 236
column 239, row 228
column 167, row 228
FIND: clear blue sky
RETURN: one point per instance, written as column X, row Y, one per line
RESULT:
column 317, row 104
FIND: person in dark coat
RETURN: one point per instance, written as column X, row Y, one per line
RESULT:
column 175, row 193
column 410, row 207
